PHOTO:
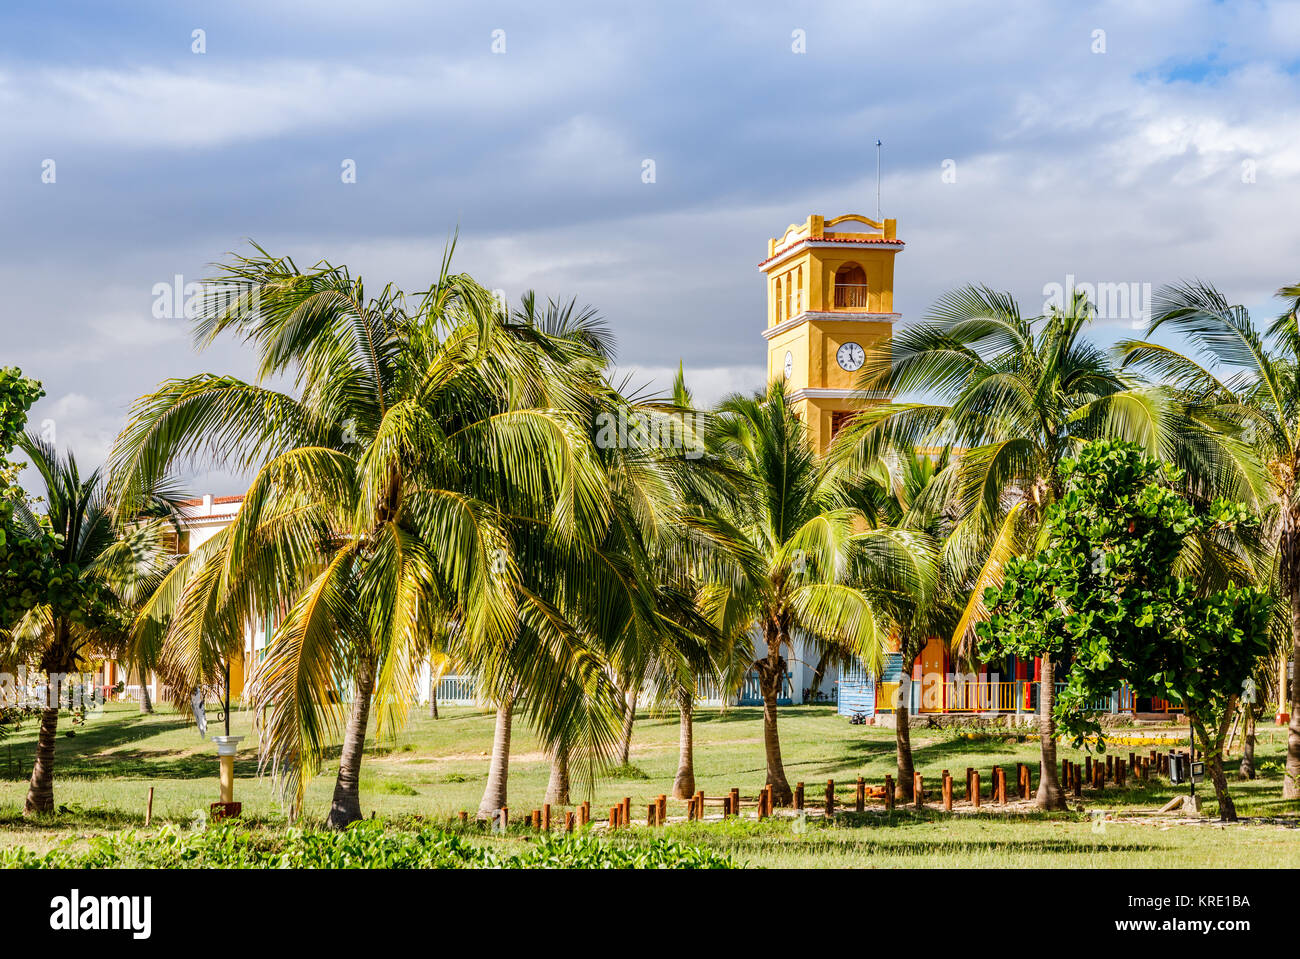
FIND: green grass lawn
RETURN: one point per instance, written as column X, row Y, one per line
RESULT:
column 436, row 768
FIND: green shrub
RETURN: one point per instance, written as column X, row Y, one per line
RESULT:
column 628, row 771
column 370, row 844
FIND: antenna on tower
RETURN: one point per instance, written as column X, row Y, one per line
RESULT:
column 877, row 179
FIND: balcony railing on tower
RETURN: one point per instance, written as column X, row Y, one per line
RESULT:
column 850, row 296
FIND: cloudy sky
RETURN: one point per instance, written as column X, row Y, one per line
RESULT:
column 1115, row 142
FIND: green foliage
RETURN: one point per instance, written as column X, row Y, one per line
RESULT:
column 627, row 771
column 1105, row 593
column 26, row 549
column 365, row 845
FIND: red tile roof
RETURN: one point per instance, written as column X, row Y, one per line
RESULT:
column 215, row 500
column 830, row 239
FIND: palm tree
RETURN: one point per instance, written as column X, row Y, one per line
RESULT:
column 1248, row 380
column 116, row 567
column 908, row 491
column 613, row 584
column 1019, row 394
column 806, row 565
column 405, row 490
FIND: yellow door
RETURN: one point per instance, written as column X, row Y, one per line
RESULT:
column 932, row 691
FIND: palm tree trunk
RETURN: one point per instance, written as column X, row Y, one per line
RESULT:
column 346, row 807
column 557, row 790
column 1049, row 788
column 1247, row 768
column 684, row 782
column 40, row 791
column 433, row 694
column 770, row 674
column 629, row 717
column 146, row 705
column 494, row 793
column 1289, row 562
column 903, row 742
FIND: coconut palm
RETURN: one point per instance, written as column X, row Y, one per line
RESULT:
column 413, row 485
column 117, row 567
column 908, row 490
column 1248, row 379
column 1018, row 394
column 807, row 565
column 613, row 582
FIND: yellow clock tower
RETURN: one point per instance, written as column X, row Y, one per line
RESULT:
column 830, row 295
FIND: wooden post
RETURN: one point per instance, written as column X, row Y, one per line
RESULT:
column 568, row 821
column 546, row 816
column 662, row 812
column 1002, row 786
column 505, row 817
column 798, row 796
column 699, row 805
column 861, row 804
column 969, row 771
column 975, row 787
column 1087, row 768
column 614, row 813
column 627, row 811
column 947, row 792
column 464, row 817
column 918, row 791
column 584, row 816
column 537, row 819
column 735, row 801
column 148, row 809
column 650, row 814
column 1110, row 767
column 1078, row 783
column 889, row 793
column 830, row 798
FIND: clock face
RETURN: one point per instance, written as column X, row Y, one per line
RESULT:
column 850, row 356
column 789, row 364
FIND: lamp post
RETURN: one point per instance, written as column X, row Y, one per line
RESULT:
column 227, row 746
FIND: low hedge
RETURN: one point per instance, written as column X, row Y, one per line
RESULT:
column 365, row 845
